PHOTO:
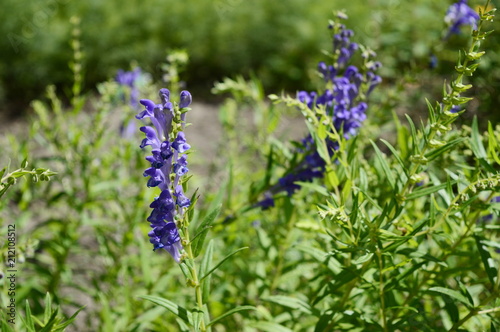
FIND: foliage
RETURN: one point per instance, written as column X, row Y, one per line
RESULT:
column 224, row 37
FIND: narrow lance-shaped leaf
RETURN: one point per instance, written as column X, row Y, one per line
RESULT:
column 170, row 306
column 478, row 147
column 290, row 302
column 396, row 155
column 202, row 230
column 476, row 143
column 493, row 144
column 230, row 312
column 204, row 267
column 48, row 308
column 197, row 315
column 413, row 134
column 427, row 191
column 385, row 166
column 50, row 323
column 488, row 262
column 221, row 262
column 269, row 327
column 70, row 320
column 30, row 325
column 453, row 294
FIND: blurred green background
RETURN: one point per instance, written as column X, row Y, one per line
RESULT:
column 276, row 40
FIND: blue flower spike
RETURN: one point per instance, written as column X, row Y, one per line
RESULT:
column 168, row 165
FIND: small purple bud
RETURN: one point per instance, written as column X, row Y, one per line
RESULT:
column 185, row 99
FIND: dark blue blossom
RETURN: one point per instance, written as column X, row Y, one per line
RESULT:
column 167, row 159
column 180, row 167
column 433, row 61
column 267, row 202
column 180, row 143
column 347, row 87
column 181, row 200
column 167, row 237
column 129, row 80
column 460, row 14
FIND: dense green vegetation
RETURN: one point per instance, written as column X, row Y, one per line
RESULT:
column 275, row 40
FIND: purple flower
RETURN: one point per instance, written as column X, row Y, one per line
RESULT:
column 167, row 237
column 433, row 61
column 182, row 200
column 185, row 99
column 165, row 162
column 346, row 88
column 129, row 79
column 460, row 14
column 180, row 143
column 180, row 167
column 267, row 202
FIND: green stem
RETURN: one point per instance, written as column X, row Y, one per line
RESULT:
column 381, row 289
column 447, row 107
column 195, row 282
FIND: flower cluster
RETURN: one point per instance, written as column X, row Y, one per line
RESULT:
column 460, row 14
column 168, row 164
column 347, row 87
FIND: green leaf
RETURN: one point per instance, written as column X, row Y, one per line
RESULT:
column 70, row 320
column 451, row 308
column 396, row 155
column 372, row 201
column 432, row 113
column 177, row 310
column 402, row 275
column 50, row 323
column 402, row 135
column 385, row 166
column 321, row 256
column 476, row 142
column 30, row 325
column 434, row 153
column 289, row 302
column 202, row 230
column 324, row 321
column 478, row 148
column 204, row 267
column 313, row 187
column 221, row 262
column 269, row 327
column 4, row 324
column 264, row 240
column 197, row 315
column 414, row 253
column 230, row 312
column 453, row 294
column 48, row 308
column 428, row 190
column 488, row 262
column 493, row 148
column 24, row 163
column 413, row 135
